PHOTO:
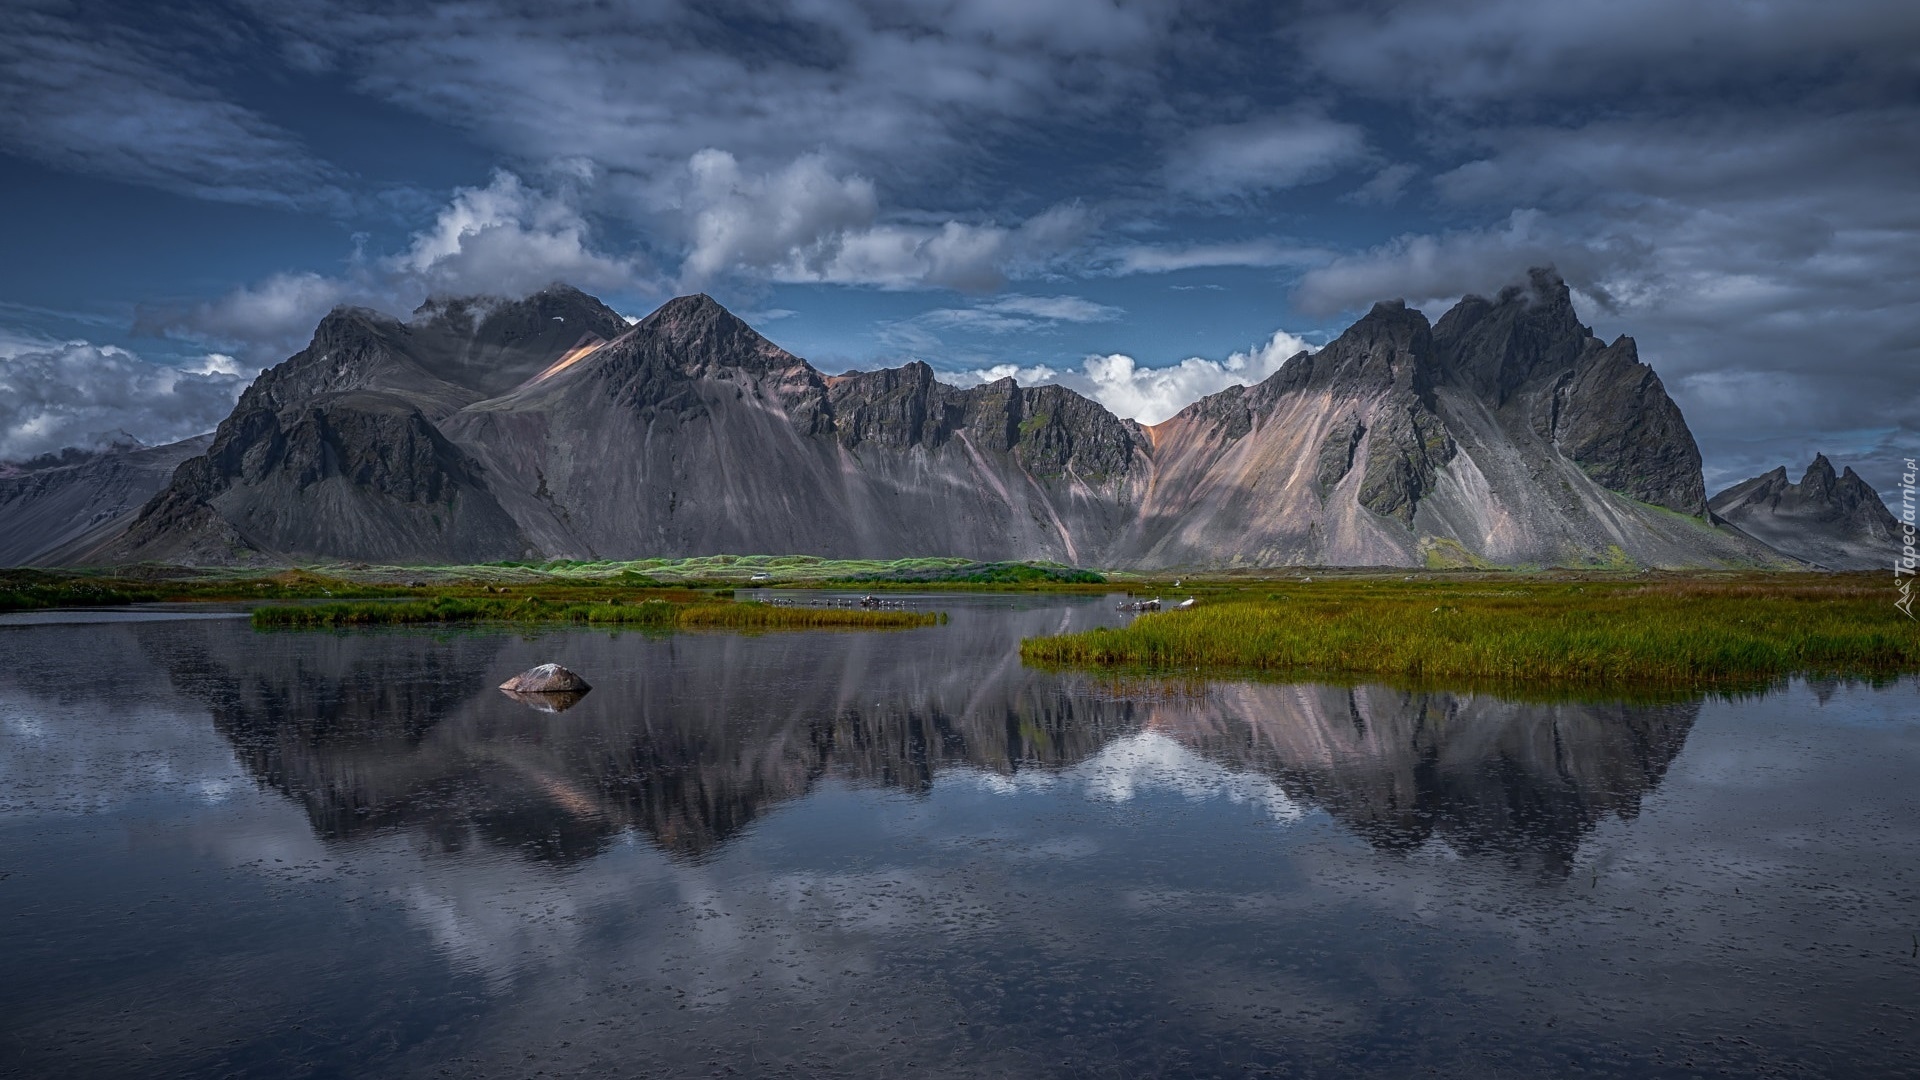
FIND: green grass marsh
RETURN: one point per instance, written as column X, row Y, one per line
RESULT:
column 1707, row 631
column 696, row 612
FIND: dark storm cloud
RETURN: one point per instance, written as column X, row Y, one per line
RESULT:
column 641, row 86
column 1270, row 153
column 84, row 95
column 761, row 140
column 1516, row 56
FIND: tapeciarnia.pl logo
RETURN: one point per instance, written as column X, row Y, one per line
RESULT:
column 1904, row 565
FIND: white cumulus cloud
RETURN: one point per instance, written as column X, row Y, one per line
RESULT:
column 1025, row 376
column 271, row 312
column 507, row 238
column 90, row 396
column 1150, row 394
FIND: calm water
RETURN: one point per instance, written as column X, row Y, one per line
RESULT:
column 296, row 854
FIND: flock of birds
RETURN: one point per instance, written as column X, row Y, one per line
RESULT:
column 871, row 603
column 876, row 603
column 1154, row 605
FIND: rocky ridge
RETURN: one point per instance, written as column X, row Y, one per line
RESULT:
column 1832, row 521
column 53, row 509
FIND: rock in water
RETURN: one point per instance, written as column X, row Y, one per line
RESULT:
column 548, row 703
column 546, row 679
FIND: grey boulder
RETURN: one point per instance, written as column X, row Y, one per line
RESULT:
column 546, row 679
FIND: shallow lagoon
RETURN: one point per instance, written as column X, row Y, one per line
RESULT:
column 227, row 852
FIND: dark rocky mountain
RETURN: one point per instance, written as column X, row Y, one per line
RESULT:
column 336, row 452
column 1507, row 433
column 725, row 442
column 548, row 427
column 55, row 507
column 1833, row 521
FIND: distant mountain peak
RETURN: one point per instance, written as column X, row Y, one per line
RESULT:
column 1832, row 520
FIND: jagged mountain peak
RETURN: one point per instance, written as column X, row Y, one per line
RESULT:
column 1385, row 348
column 1391, row 318
column 472, row 308
column 1542, row 299
column 1544, row 289
column 691, row 307
column 348, row 321
column 1494, row 346
column 1390, row 311
column 693, row 318
column 1388, row 322
column 697, row 333
column 558, row 310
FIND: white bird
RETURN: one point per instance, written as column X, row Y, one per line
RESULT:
column 1184, row 604
column 559, row 318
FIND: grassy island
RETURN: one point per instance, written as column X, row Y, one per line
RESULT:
column 1703, row 631
column 698, row 612
column 359, row 596
column 556, row 580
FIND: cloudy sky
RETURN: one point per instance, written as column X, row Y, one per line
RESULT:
column 1144, row 199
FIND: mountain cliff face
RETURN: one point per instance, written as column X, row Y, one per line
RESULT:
column 548, row 427
column 1834, row 521
column 1506, row 433
column 692, row 433
column 336, row 452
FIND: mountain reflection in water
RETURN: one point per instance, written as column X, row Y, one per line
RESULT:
column 228, row 853
column 691, row 739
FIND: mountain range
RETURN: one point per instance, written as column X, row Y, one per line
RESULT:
column 550, row 427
